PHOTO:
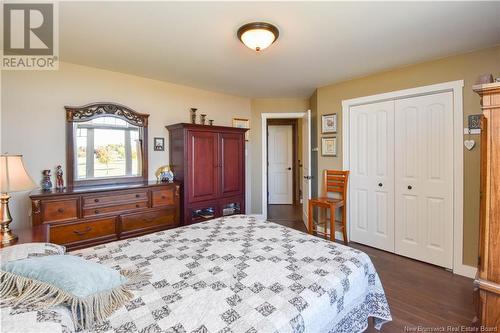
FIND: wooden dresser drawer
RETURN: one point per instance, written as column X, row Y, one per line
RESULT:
column 114, row 209
column 137, row 221
column 59, row 210
column 163, row 197
column 80, row 231
column 113, row 198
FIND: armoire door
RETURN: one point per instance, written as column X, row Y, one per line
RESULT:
column 202, row 166
column 371, row 190
column 232, row 164
column 424, row 178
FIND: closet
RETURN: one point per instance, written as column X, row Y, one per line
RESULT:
column 401, row 163
column 210, row 162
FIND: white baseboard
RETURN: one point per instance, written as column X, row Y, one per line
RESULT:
column 465, row 270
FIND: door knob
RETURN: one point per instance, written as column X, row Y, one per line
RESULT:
column 289, row 168
column 410, row 187
column 380, row 184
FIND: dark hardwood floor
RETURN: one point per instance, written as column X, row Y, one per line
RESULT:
column 419, row 294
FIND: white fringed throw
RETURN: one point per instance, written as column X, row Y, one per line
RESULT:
column 87, row 312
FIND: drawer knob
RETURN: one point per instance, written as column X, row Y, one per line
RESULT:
column 137, row 206
column 83, row 232
column 148, row 220
column 163, row 197
column 96, row 200
column 96, row 211
column 137, row 195
column 60, row 210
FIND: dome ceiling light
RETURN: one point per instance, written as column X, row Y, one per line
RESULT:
column 258, row 35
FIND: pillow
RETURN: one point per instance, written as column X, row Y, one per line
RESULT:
column 28, row 250
column 92, row 291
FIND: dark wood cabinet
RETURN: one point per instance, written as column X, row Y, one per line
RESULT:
column 85, row 216
column 210, row 161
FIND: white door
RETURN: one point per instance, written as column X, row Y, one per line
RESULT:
column 280, row 159
column 371, row 190
column 306, row 164
column 424, row 178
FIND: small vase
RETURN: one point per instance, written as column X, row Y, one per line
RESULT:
column 46, row 182
column 202, row 118
column 193, row 115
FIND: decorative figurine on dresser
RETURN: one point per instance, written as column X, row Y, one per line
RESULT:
column 106, row 198
column 46, row 183
column 59, row 178
column 487, row 282
column 210, row 161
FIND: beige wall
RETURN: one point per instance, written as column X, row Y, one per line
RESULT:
column 465, row 67
column 33, row 117
column 258, row 107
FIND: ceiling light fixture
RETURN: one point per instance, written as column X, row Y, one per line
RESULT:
column 258, row 35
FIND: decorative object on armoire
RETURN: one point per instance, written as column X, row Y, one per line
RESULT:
column 329, row 146
column 193, row 115
column 497, row 79
column 59, row 178
column 469, row 144
column 329, row 123
column 159, row 144
column 210, row 161
column 115, row 163
column 487, row 282
column 46, row 183
column 242, row 123
column 211, row 122
column 13, row 178
column 484, row 79
column 203, row 118
column 79, row 217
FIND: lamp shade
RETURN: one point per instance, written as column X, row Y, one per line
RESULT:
column 13, row 175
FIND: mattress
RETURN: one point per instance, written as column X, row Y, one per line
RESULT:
column 232, row 274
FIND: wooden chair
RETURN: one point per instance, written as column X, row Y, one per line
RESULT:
column 334, row 182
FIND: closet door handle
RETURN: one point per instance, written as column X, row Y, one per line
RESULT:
column 410, row 187
column 289, row 168
column 380, row 184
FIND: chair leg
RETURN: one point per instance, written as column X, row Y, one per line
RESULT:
column 344, row 224
column 332, row 223
column 310, row 218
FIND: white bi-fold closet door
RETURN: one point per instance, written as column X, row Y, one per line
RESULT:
column 401, row 193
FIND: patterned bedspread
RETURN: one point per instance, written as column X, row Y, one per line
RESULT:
column 236, row 274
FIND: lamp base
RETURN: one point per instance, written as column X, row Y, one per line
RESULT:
column 6, row 235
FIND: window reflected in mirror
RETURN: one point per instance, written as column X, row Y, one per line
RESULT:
column 107, row 147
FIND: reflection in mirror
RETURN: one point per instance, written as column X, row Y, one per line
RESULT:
column 107, row 147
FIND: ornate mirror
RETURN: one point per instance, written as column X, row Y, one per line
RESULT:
column 106, row 144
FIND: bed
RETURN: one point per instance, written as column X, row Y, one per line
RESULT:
column 234, row 274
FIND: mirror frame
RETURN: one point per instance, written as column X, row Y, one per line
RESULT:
column 91, row 111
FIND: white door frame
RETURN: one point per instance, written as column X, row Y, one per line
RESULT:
column 265, row 117
column 458, row 186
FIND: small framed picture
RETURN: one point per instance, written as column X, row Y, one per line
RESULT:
column 329, row 146
column 329, row 123
column 242, row 123
column 159, row 144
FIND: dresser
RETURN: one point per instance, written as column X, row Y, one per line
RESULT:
column 210, row 162
column 487, row 282
column 85, row 216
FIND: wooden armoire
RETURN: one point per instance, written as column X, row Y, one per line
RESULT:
column 210, row 162
column 487, row 282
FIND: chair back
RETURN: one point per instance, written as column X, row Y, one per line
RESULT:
column 335, row 181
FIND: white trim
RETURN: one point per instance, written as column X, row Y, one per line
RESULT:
column 458, row 193
column 265, row 117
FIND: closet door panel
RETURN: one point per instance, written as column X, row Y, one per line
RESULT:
column 424, row 177
column 372, row 174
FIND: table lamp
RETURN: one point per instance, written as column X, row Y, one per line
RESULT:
column 13, row 178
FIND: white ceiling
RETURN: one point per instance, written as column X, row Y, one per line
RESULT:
column 195, row 43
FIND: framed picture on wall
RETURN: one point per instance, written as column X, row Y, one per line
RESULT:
column 329, row 123
column 159, row 144
column 242, row 123
column 329, row 146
